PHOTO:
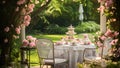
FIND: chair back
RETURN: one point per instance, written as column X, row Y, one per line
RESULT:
column 45, row 48
column 89, row 52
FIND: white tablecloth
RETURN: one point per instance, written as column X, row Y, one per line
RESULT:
column 75, row 53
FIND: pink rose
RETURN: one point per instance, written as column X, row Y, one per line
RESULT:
column 101, row 9
column 113, row 42
column 6, row 29
column 27, row 18
column 29, row 37
column 25, row 42
column 26, row 23
column 108, row 3
column 20, row 2
column 31, row 6
column 17, row 29
column 99, row 44
column 116, row 33
column 103, row 37
column 109, row 33
column 32, row 44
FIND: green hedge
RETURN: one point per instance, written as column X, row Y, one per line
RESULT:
column 85, row 27
column 55, row 29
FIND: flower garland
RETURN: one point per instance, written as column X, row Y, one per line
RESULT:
column 111, row 10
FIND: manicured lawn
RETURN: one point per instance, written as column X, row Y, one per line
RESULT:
column 54, row 38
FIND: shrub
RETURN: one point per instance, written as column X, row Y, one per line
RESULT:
column 87, row 27
column 55, row 29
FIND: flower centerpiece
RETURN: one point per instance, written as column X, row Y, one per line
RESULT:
column 29, row 42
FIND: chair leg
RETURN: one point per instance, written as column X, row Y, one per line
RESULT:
column 52, row 66
column 40, row 65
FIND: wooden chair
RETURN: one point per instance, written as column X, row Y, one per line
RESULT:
column 45, row 48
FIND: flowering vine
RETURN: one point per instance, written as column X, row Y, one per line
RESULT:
column 14, row 14
column 111, row 10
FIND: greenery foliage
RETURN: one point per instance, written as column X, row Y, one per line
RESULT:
column 55, row 29
column 64, row 13
column 87, row 27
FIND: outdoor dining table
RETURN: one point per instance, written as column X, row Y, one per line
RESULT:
column 75, row 52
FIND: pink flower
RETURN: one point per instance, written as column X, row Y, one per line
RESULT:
column 20, row 2
column 102, row 37
column 108, row 3
column 113, row 42
column 99, row 44
column 109, row 33
column 30, row 8
column 32, row 44
column 33, row 39
column 17, row 9
column 5, row 40
column 17, row 29
column 89, row 43
column 26, row 23
column 6, row 29
column 101, row 9
column 25, row 42
column 29, row 37
column 116, row 33
column 27, row 18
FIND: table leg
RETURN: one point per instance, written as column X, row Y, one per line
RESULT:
column 29, row 59
column 76, row 58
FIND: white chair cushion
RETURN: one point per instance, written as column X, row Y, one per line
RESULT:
column 57, row 61
column 92, row 58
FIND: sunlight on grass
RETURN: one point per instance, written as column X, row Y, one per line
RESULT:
column 34, row 58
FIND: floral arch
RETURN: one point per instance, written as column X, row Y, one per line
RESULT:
column 15, row 14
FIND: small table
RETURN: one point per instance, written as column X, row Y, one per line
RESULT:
column 27, row 49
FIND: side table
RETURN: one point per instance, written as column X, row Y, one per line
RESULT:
column 28, row 50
